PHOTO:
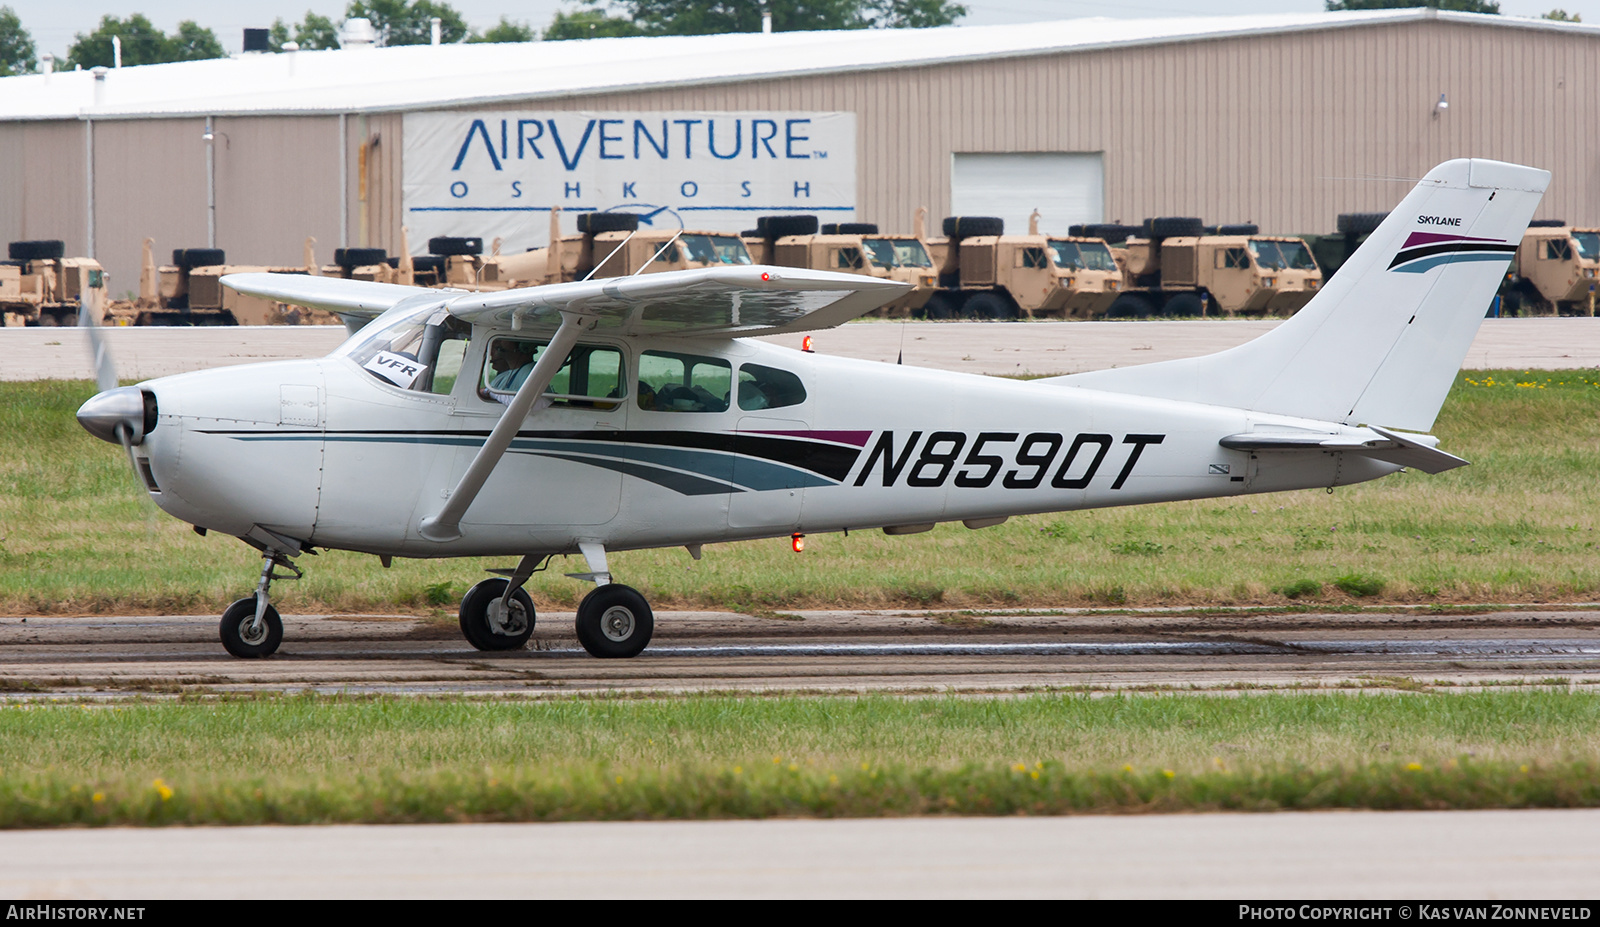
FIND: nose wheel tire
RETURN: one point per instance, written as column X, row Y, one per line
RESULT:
column 243, row 637
column 615, row 621
column 488, row 626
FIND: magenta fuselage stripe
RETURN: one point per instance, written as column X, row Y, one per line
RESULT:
column 857, row 438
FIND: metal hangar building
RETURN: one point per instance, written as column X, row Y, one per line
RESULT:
column 1283, row 120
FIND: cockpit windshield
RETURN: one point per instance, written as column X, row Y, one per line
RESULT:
column 897, row 252
column 419, row 348
column 1082, row 255
column 1281, row 255
column 716, row 249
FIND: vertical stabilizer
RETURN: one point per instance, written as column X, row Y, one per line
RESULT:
column 1382, row 342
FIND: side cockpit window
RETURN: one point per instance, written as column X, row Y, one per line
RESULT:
column 768, row 388
column 592, row 376
column 673, row 382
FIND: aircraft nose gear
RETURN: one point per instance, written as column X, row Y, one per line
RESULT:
column 251, row 626
column 490, row 622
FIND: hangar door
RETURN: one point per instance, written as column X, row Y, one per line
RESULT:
column 1066, row 187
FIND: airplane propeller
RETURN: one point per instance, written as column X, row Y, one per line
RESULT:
column 117, row 414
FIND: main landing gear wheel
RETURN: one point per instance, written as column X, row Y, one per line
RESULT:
column 614, row 621
column 244, row 637
column 488, row 624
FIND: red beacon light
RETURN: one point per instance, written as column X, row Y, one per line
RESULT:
column 765, row 276
column 805, row 344
column 798, row 542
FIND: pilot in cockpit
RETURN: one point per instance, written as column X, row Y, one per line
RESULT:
column 512, row 362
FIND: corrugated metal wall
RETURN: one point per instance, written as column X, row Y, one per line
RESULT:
column 150, row 182
column 43, row 182
column 277, row 182
column 1286, row 130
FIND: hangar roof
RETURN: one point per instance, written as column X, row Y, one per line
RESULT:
column 427, row 77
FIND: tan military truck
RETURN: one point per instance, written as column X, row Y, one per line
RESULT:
column 987, row 274
column 848, row 247
column 40, row 286
column 189, row 291
column 1555, row 271
column 609, row 244
column 1180, row 267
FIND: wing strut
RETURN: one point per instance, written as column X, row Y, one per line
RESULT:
column 446, row 525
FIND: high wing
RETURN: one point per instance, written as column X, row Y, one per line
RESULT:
column 727, row 302
column 355, row 302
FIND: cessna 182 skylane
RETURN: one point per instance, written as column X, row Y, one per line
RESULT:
column 649, row 420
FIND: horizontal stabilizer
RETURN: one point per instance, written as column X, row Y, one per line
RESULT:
column 1404, row 450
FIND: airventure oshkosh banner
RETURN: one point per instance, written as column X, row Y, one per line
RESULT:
column 498, row 174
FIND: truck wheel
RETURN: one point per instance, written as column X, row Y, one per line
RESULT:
column 958, row 227
column 1129, row 306
column 857, row 228
column 1184, row 306
column 783, row 226
column 993, row 307
column 189, row 258
column 1360, row 223
column 593, row 223
column 1242, row 228
column 1547, row 224
column 940, row 307
column 447, row 245
column 1174, row 227
column 51, row 250
column 359, row 257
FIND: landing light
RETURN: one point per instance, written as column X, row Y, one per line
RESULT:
column 798, row 542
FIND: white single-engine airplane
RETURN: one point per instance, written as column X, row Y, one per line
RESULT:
column 632, row 413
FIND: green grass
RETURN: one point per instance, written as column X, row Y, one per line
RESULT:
column 320, row 759
column 1517, row 526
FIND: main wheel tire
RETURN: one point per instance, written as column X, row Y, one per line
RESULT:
column 47, row 250
column 614, row 621
column 239, row 639
column 992, row 307
column 518, row 622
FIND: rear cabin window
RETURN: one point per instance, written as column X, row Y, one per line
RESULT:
column 591, row 378
column 763, row 387
column 1231, row 258
column 672, row 382
column 1558, row 249
column 849, row 258
column 1034, row 257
